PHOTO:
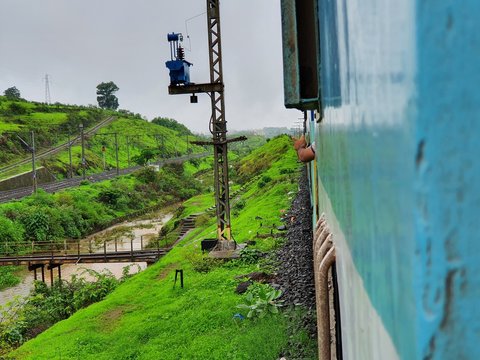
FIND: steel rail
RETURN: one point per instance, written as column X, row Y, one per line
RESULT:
column 68, row 183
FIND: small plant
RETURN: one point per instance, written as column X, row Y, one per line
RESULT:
column 250, row 256
column 239, row 205
column 286, row 171
column 203, row 263
column 261, row 299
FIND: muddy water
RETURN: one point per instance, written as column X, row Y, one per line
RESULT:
column 124, row 236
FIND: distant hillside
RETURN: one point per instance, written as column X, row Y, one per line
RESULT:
column 55, row 124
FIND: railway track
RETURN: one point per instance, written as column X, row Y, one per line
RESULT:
column 55, row 186
column 58, row 148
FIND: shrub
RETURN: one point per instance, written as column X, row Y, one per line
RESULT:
column 239, row 205
column 203, row 263
column 250, row 256
column 42, row 223
column 15, row 108
column 10, row 231
column 109, row 196
column 146, row 175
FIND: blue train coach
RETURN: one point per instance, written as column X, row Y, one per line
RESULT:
column 391, row 91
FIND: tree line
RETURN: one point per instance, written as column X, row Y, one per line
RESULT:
column 106, row 97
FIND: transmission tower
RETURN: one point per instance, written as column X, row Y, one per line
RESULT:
column 47, row 89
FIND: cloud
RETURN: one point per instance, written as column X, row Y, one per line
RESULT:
column 81, row 43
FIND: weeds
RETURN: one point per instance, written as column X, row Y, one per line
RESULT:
column 203, row 263
column 261, row 299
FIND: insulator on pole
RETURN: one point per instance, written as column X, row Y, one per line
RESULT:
column 180, row 53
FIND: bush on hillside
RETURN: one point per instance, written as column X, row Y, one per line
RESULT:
column 10, row 232
column 16, row 108
column 21, row 320
column 42, row 224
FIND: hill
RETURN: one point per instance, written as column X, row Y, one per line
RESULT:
column 147, row 318
column 137, row 140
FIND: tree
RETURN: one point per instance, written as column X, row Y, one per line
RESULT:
column 12, row 93
column 105, row 95
column 172, row 124
column 145, row 156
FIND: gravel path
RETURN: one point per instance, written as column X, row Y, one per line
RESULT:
column 295, row 272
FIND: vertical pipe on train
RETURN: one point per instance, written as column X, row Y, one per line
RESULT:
column 323, row 316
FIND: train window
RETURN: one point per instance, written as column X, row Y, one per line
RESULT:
column 300, row 53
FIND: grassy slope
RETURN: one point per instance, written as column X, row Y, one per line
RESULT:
column 142, row 135
column 146, row 318
column 47, row 121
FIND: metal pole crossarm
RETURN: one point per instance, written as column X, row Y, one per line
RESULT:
column 199, row 142
column 194, row 88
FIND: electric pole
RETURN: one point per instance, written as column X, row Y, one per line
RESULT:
column 128, row 152
column 34, row 170
column 70, row 156
column 180, row 84
column 218, row 124
column 82, row 135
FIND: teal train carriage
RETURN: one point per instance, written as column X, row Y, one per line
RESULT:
column 390, row 93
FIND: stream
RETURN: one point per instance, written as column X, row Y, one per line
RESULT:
column 137, row 233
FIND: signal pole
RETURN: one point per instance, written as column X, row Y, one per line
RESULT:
column 116, row 153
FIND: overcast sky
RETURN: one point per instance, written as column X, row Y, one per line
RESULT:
column 81, row 43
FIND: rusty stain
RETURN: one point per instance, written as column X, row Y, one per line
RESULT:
column 449, row 294
column 419, row 155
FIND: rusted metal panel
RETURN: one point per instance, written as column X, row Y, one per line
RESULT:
column 300, row 71
column 291, row 78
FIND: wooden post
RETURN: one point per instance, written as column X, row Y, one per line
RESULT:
column 43, row 273
column 131, row 250
column 141, row 242
column 105, row 251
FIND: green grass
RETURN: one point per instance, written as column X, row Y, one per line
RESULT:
column 147, row 318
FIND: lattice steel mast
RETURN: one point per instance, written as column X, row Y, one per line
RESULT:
column 180, row 84
column 218, row 122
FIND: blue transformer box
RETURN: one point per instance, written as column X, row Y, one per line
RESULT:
column 179, row 71
column 178, row 66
